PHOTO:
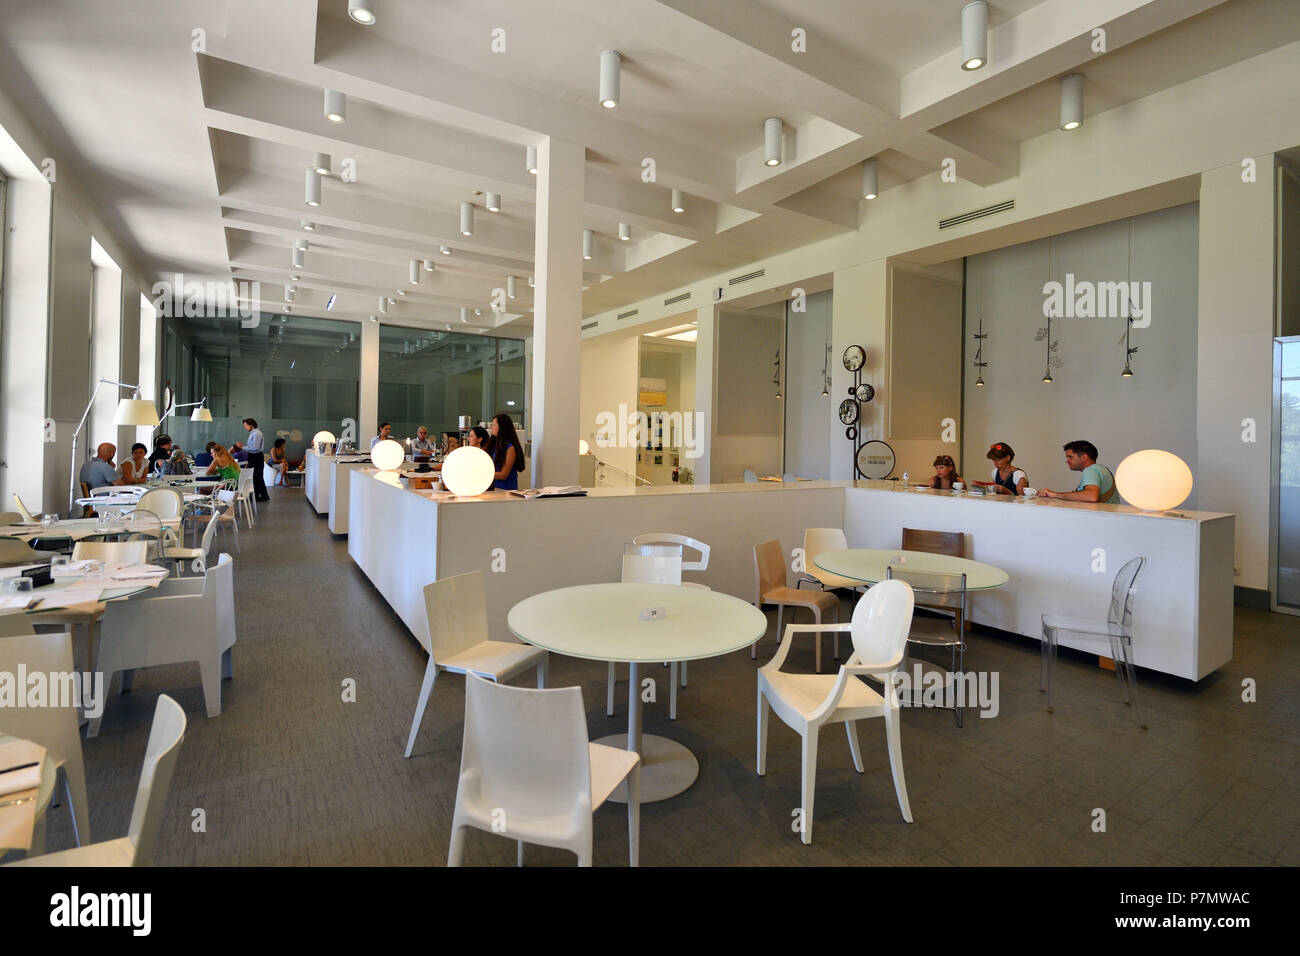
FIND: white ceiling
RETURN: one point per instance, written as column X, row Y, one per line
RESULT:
column 196, row 159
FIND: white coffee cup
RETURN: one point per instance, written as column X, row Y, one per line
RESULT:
column 958, row 486
column 1031, row 492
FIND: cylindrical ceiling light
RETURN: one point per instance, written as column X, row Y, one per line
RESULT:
column 415, row 272
column 313, row 188
column 679, row 204
column 588, row 242
column 974, row 35
column 1072, row 101
column 870, row 178
column 532, row 282
column 300, row 244
column 309, row 226
column 610, row 62
column 493, row 202
column 464, row 313
column 510, row 287
column 362, row 11
column 383, row 304
column 772, row 142
column 336, row 106
column 445, row 250
column 624, row 231
column 428, row 265
column 321, row 163
column 289, row 293
column 467, row 219
column 299, row 258
column 530, row 160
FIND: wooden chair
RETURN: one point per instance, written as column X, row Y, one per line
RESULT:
column 772, row 587
column 951, row 543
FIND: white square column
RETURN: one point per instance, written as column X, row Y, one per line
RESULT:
column 557, row 314
column 368, row 413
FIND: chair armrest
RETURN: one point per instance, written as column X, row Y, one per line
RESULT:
column 790, row 631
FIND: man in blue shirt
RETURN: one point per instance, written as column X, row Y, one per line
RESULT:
column 256, row 448
column 99, row 471
column 1096, row 484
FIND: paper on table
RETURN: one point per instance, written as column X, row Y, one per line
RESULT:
column 17, row 602
column 16, row 753
column 69, row 598
column 18, row 822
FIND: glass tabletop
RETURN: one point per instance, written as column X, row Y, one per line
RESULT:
column 868, row 566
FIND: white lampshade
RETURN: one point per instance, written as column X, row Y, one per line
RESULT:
column 201, row 414
column 322, row 436
column 583, row 447
column 468, row 471
column 136, row 411
column 388, row 455
column 1153, row 480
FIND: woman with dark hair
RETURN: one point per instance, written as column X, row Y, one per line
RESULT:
column 135, row 470
column 507, row 453
column 478, row 437
column 279, row 463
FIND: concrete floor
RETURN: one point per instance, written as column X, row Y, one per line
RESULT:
column 291, row 774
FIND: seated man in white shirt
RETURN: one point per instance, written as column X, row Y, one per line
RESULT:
column 422, row 445
column 385, row 432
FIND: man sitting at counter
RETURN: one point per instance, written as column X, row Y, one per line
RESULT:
column 385, row 432
column 421, row 445
column 1095, row 484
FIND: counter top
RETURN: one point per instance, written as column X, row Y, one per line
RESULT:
column 774, row 487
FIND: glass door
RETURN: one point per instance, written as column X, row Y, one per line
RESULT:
column 1287, row 495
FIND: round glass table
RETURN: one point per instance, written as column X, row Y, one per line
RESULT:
column 640, row 624
column 868, row 566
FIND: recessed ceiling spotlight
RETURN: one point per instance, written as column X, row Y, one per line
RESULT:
column 467, row 219
column 374, row 318
column 428, row 265
column 321, row 163
column 300, row 244
column 392, row 301
column 530, row 160
column 383, row 304
column 299, row 258
column 329, row 303
column 624, row 231
column 478, row 312
column 974, row 35
column 294, row 276
column 678, row 204
column 336, row 106
column 1072, row 101
column 510, row 287
column 772, row 141
column 445, row 250
column 288, row 308
column 870, row 178
column 588, row 242
column 464, row 314
column 532, row 282
column 362, row 11
column 493, row 202
column 401, row 292
column 309, row 226
column 313, row 188
column 415, row 272
column 610, row 62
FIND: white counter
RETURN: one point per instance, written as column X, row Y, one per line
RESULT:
column 316, row 480
column 1183, row 619
column 340, row 483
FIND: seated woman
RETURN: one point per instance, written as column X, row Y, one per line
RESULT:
column 945, row 473
column 507, row 453
column 223, row 464
column 176, row 464
column 135, row 470
column 1007, row 478
column 279, row 463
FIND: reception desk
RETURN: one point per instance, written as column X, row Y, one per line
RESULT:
column 1061, row 556
column 317, row 473
column 341, row 470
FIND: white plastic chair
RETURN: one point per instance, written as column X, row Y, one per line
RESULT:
column 817, row 541
column 807, row 702
column 695, row 564
column 166, row 503
column 54, row 728
column 118, row 553
column 245, row 493
column 198, row 557
column 136, row 848
column 648, row 564
column 223, row 511
column 529, row 773
column 459, row 641
column 190, row 619
column 1116, row 631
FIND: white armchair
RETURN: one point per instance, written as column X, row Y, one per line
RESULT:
column 189, row 619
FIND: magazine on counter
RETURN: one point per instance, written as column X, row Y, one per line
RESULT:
column 552, row 491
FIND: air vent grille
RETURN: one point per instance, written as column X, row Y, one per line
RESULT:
column 628, row 314
column 977, row 214
column 747, row 276
column 590, row 325
column 677, row 298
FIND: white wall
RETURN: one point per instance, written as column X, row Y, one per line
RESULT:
column 609, row 378
column 1087, row 399
column 811, row 419
column 747, row 431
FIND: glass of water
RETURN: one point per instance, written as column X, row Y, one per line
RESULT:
column 17, row 585
column 48, row 520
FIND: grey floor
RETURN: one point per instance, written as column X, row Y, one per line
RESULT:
column 291, row 774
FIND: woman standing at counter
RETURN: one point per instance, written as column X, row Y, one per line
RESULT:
column 507, row 453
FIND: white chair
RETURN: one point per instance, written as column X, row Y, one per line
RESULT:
column 136, row 848
column 118, row 553
column 166, row 503
column 771, row 587
column 648, row 564
column 198, row 557
column 807, row 702
column 191, row 619
column 529, row 773
column 459, row 641
column 22, row 509
column 694, row 564
column 245, row 493
column 223, row 511
column 818, row 541
column 53, row 727
column 944, row 594
column 1116, row 631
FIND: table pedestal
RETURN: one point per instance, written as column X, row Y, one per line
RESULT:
column 667, row 768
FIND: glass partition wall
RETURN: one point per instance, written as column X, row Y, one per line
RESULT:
column 432, row 378
column 295, row 375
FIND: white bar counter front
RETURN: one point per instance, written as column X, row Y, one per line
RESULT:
column 1061, row 556
column 341, row 470
column 316, row 479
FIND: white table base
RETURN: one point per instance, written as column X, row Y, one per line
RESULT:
column 667, row 768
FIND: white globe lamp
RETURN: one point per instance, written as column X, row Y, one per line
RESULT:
column 583, row 447
column 468, row 471
column 388, row 455
column 1153, row 480
column 322, row 436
